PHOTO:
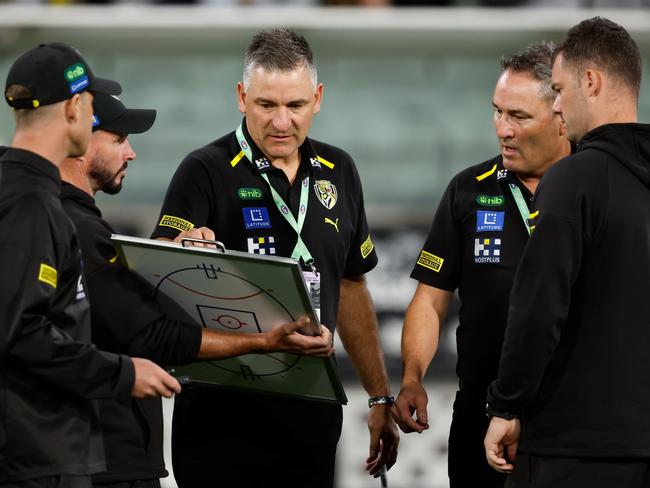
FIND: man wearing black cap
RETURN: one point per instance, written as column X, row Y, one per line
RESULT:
column 125, row 316
column 49, row 430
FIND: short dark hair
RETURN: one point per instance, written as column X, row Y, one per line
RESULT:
column 607, row 45
column 535, row 60
column 18, row 92
column 279, row 50
column 24, row 116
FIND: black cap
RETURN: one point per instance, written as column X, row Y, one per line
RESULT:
column 110, row 114
column 53, row 73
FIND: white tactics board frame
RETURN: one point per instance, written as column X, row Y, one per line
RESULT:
column 238, row 292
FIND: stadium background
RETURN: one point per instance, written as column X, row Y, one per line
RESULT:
column 407, row 94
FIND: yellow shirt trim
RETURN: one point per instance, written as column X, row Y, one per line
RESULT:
column 237, row 158
column 325, row 162
column 487, row 173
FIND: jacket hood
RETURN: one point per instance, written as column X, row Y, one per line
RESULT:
column 629, row 144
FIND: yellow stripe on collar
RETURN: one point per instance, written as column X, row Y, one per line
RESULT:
column 487, row 173
column 325, row 162
column 237, row 158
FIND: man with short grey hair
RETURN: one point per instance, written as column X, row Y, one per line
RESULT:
column 302, row 199
column 478, row 235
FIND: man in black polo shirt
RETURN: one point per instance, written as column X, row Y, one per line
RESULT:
column 125, row 316
column 49, row 370
column 268, row 189
column 570, row 404
column 477, row 237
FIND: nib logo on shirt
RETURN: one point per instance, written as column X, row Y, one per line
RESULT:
column 261, row 245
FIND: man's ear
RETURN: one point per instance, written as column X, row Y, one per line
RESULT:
column 318, row 97
column 72, row 109
column 592, row 82
column 241, row 97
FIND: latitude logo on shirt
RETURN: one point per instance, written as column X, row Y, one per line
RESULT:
column 256, row 218
column 487, row 220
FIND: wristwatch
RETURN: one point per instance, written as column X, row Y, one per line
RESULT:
column 389, row 401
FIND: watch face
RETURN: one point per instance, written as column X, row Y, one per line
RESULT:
column 381, row 400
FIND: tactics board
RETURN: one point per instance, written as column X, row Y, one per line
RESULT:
column 236, row 292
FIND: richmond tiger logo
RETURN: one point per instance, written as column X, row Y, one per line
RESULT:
column 326, row 193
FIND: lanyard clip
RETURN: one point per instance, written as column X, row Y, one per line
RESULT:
column 310, row 265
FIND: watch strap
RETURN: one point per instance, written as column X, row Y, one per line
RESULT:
column 388, row 400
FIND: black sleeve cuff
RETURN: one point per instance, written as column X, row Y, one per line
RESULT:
column 168, row 342
column 361, row 267
column 125, row 380
column 166, row 233
column 492, row 411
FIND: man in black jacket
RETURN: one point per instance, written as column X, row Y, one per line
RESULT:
column 49, row 370
column 125, row 316
column 477, row 237
column 572, row 397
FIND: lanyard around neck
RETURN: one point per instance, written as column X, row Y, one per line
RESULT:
column 300, row 250
column 521, row 204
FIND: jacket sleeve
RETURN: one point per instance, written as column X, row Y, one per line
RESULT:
column 126, row 318
column 542, row 289
column 37, row 338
